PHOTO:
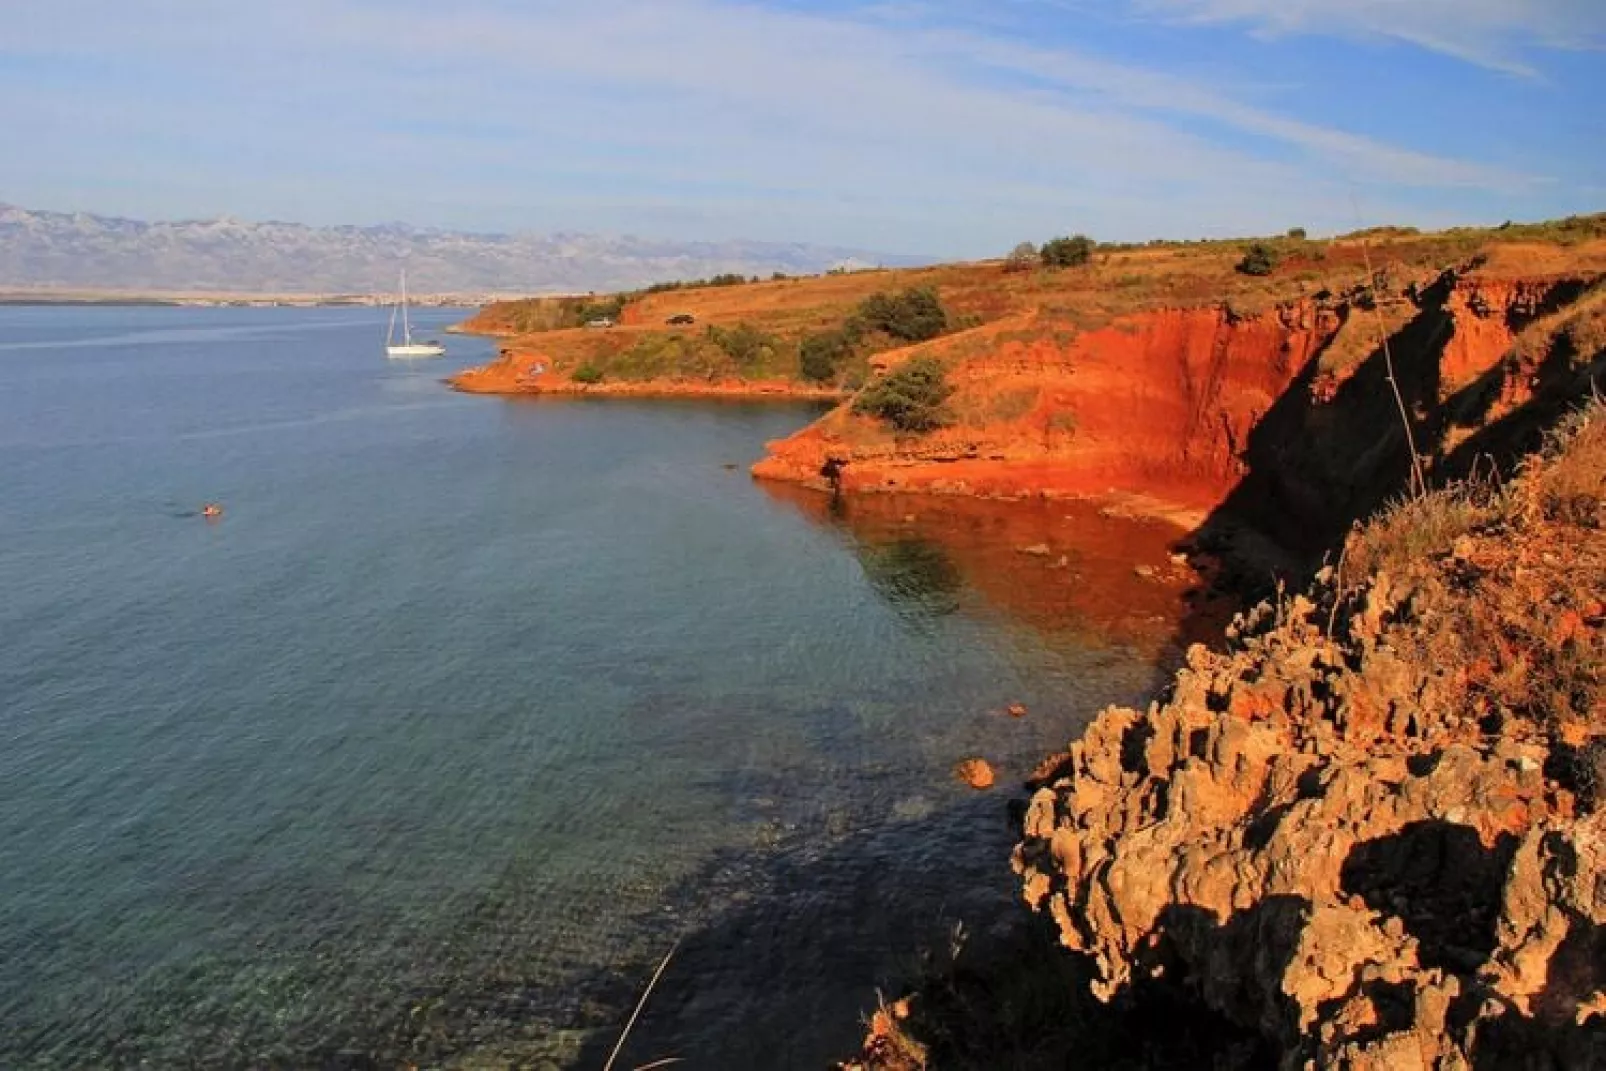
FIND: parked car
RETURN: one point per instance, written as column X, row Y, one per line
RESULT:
column 601, row 321
column 681, row 318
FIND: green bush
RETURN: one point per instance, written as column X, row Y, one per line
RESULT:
column 911, row 398
column 913, row 316
column 1066, row 252
column 727, row 279
column 821, row 355
column 587, row 311
column 1258, row 260
column 744, row 344
column 587, row 373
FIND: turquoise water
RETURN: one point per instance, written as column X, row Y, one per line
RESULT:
column 466, row 710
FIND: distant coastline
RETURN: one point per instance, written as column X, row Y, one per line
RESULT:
column 227, row 299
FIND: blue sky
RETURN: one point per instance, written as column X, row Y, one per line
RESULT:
column 939, row 127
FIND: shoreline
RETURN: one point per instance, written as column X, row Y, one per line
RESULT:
column 731, row 391
column 507, row 376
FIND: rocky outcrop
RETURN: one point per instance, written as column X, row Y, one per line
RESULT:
column 1370, row 829
column 1041, row 410
column 1481, row 362
column 1286, row 419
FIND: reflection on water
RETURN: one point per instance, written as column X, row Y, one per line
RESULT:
column 914, row 574
column 1066, row 568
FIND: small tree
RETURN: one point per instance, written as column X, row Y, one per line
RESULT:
column 1022, row 258
column 819, row 356
column 1258, row 260
column 1066, row 252
column 587, row 373
column 909, row 398
column 1297, row 233
column 744, row 344
column 913, row 316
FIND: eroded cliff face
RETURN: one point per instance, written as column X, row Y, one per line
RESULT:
column 1479, row 363
column 1160, row 403
column 1288, row 417
column 1373, row 829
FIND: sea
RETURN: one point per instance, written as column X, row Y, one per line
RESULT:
column 470, row 713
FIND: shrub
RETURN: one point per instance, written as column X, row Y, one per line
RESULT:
column 910, row 398
column 1066, row 252
column 587, row 373
column 913, row 316
column 727, row 279
column 744, row 344
column 1297, row 233
column 1258, row 260
column 821, row 355
column 585, row 311
column 1022, row 258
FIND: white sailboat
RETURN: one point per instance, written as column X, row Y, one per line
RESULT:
column 407, row 347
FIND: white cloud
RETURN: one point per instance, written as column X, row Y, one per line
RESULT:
column 1490, row 33
column 753, row 120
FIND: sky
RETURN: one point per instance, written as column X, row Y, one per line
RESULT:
column 949, row 128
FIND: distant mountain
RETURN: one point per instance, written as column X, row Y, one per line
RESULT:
column 83, row 251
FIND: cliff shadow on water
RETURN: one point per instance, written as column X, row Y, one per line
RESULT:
column 793, row 990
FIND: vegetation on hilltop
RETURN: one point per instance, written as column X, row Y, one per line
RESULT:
column 1066, row 252
column 728, row 279
column 1259, row 259
column 881, row 322
column 825, row 330
column 748, row 349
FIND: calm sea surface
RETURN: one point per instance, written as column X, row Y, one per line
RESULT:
column 468, row 709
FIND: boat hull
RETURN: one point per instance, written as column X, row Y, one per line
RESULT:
column 416, row 349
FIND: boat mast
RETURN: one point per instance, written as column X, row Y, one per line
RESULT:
column 390, row 332
column 407, row 328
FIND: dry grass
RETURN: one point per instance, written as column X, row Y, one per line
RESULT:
column 1413, row 529
column 1508, row 586
column 1031, row 306
column 1572, row 486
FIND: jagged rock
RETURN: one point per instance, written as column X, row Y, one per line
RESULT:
column 1350, row 833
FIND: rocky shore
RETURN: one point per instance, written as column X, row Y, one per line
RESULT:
column 511, row 375
column 1370, row 829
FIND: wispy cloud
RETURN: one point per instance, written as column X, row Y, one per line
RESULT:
column 1491, row 33
column 903, row 124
